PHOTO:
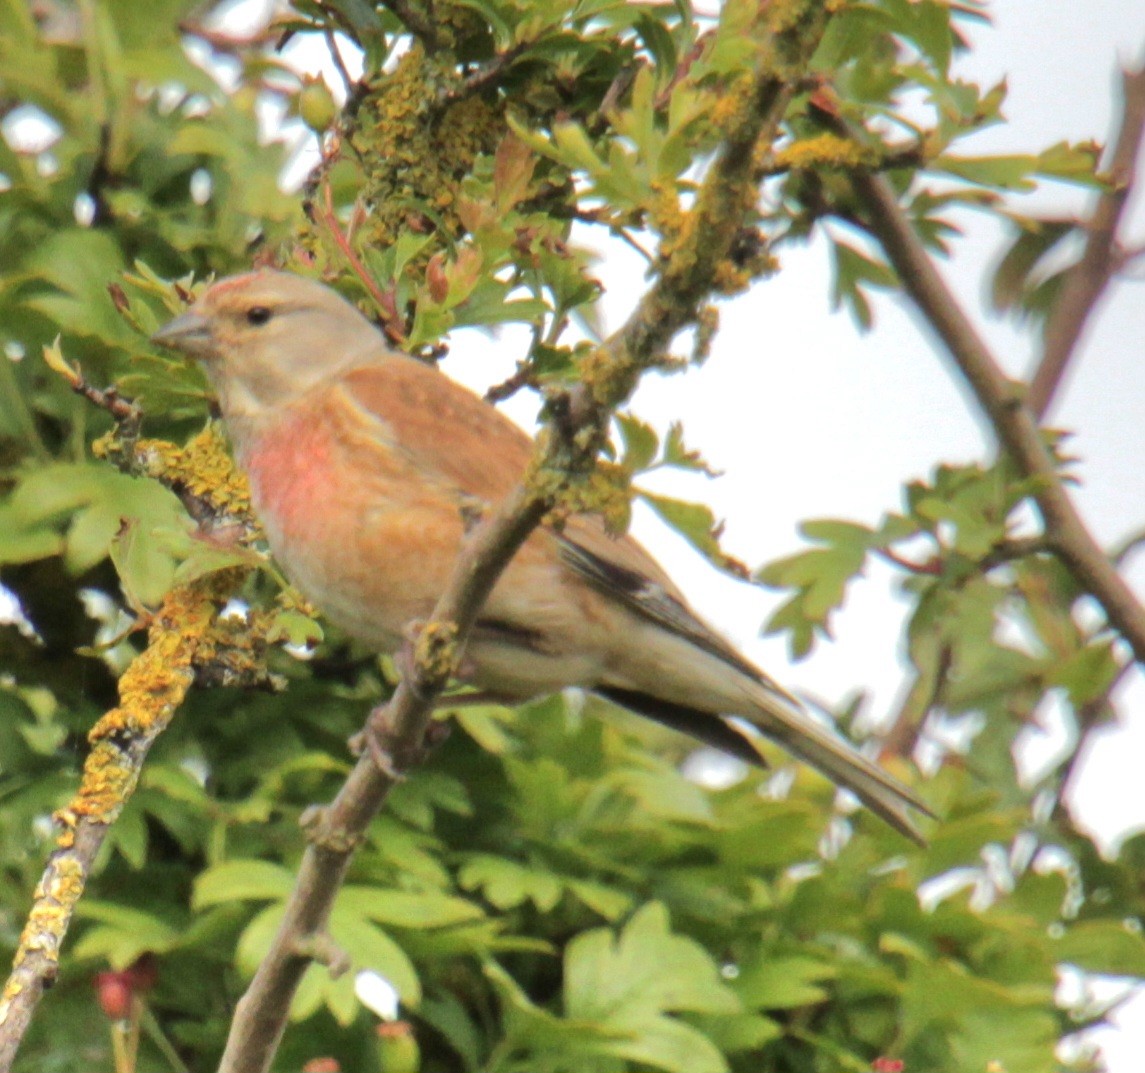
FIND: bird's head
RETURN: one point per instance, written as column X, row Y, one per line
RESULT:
column 266, row 337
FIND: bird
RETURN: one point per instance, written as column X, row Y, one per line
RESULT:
column 362, row 463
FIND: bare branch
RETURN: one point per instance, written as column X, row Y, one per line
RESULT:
column 415, row 21
column 1086, row 281
column 348, row 82
column 567, row 450
column 485, row 75
column 1004, row 404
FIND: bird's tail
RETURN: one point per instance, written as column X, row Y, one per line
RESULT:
column 780, row 717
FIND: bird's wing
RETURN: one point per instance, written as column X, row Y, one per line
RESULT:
column 452, row 436
column 448, row 433
column 646, row 595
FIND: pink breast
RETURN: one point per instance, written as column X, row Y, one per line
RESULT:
column 292, row 475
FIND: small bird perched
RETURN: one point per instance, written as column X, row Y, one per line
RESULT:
column 361, row 460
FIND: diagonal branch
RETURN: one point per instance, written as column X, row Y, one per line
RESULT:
column 1003, row 401
column 1086, row 281
column 150, row 691
column 336, row 831
column 417, row 22
column 567, row 451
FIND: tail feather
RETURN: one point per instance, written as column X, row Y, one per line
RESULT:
column 883, row 794
column 703, row 726
column 780, row 717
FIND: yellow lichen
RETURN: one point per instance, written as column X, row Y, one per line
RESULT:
column 184, row 633
column 415, row 146
column 821, row 151
column 607, row 379
column 667, row 216
column 734, row 106
column 202, row 468
column 436, row 652
column 730, row 278
column 606, row 492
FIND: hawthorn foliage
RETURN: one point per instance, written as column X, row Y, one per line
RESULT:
column 549, row 892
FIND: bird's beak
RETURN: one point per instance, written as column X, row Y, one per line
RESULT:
column 190, row 332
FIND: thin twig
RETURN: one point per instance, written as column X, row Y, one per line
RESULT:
column 1090, row 717
column 1007, row 551
column 125, row 412
column 391, row 320
column 221, row 41
column 339, row 63
column 902, row 737
column 931, row 567
column 486, row 75
column 1086, row 280
column 1004, row 404
column 413, row 20
column 506, row 389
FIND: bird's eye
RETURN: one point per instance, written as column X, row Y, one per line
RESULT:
column 257, row 315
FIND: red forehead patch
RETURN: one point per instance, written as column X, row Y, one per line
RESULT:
column 232, row 283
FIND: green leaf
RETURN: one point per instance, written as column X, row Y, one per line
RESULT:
column 773, row 982
column 371, row 948
column 996, row 172
column 698, row 526
column 507, row 884
column 242, row 880
column 645, row 970
column 640, row 443
column 1034, row 240
column 853, row 272
column 679, row 456
column 1110, row 947
column 405, row 909
column 819, row 578
column 125, row 935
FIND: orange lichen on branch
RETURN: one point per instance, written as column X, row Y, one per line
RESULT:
column 415, row 151
column 150, row 692
column 183, row 636
column 202, row 468
column 821, row 151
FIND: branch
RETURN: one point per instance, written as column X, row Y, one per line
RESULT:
column 150, row 691
column 184, row 648
column 348, row 82
column 335, row 832
column 1003, row 403
column 486, row 75
column 1086, row 281
column 1091, row 717
column 415, row 22
column 567, row 451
